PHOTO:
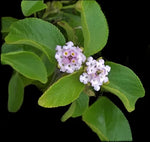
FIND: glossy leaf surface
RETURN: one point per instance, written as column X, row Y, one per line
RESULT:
column 30, row 7
column 19, row 47
column 124, row 83
column 107, row 121
column 62, row 92
column 94, row 26
column 27, row 64
column 16, row 93
column 37, row 33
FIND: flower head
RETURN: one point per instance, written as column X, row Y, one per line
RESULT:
column 69, row 57
column 96, row 73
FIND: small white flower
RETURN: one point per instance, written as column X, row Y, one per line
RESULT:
column 97, row 87
column 84, row 78
column 96, row 73
column 69, row 44
column 58, row 47
column 69, row 57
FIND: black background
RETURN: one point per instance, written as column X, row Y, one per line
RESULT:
column 128, row 44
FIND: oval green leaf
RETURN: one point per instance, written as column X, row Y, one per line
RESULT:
column 30, row 7
column 107, row 121
column 37, row 33
column 27, row 64
column 124, row 83
column 15, row 93
column 20, row 47
column 94, row 26
column 63, row 92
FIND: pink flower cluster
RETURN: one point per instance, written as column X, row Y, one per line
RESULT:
column 69, row 57
column 96, row 73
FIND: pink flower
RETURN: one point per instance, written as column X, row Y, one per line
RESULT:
column 69, row 57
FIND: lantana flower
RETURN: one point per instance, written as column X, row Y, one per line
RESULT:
column 96, row 73
column 69, row 57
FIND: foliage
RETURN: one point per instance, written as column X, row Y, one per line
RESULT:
column 30, row 48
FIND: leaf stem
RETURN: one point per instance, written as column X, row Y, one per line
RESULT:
column 35, row 15
column 69, row 6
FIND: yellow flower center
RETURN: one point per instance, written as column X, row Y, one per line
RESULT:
column 66, row 53
column 73, row 61
column 73, row 54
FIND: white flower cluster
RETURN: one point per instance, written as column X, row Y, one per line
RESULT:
column 96, row 73
column 69, row 57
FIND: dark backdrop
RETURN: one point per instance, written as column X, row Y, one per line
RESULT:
column 128, row 44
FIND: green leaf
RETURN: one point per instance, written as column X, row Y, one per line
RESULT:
column 27, row 64
column 63, row 92
column 31, row 7
column 68, row 113
column 19, row 47
column 71, row 19
column 16, row 93
column 107, row 121
column 124, row 83
column 6, row 48
column 77, row 108
column 82, row 104
column 94, row 25
column 37, row 33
